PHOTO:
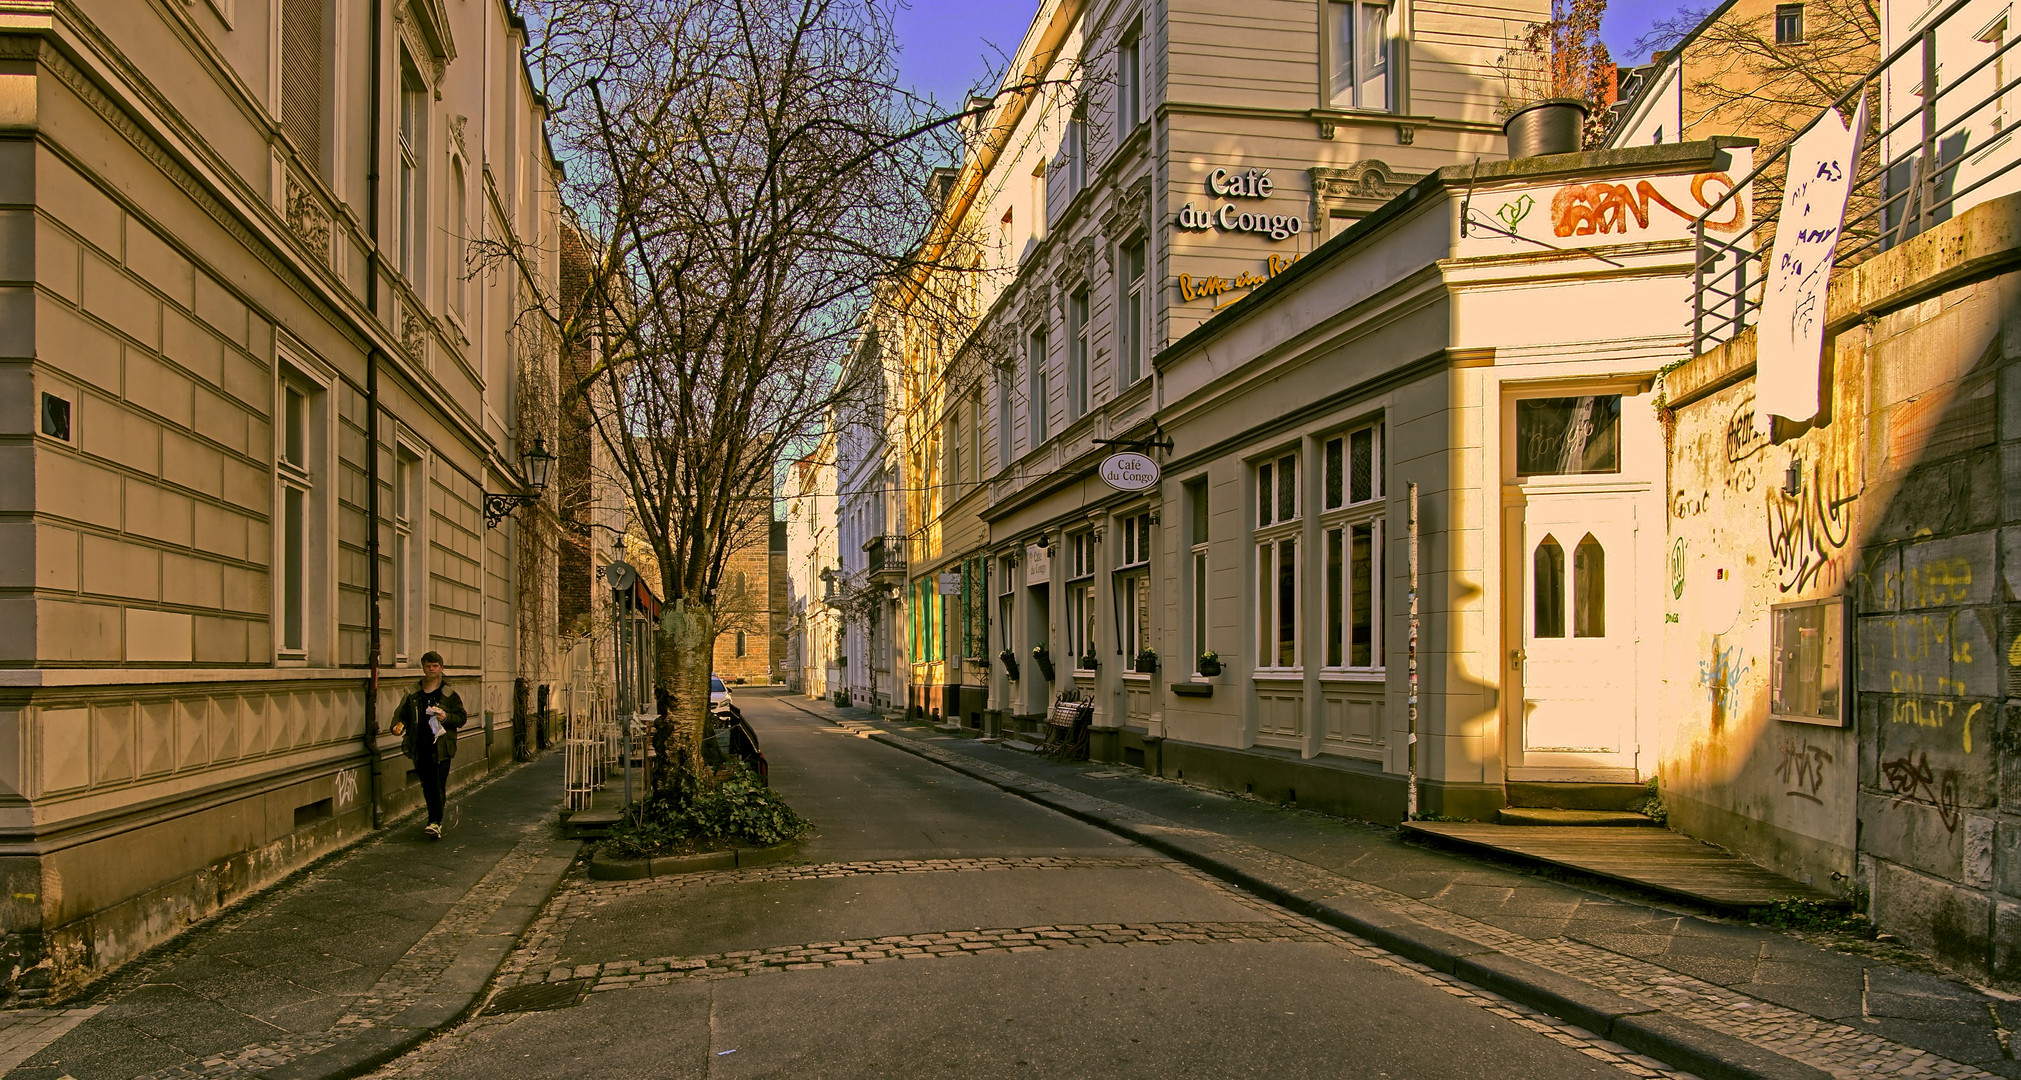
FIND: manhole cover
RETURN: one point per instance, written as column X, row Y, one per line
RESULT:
column 553, row 995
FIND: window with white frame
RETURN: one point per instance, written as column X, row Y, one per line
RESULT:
column 411, row 192
column 410, row 546
column 1129, row 83
column 1035, row 356
column 300, row 532
column 1133, row 582
column 1077, row 355
column 1006, row 601
column 1038, row 209
column 304, row 64
column 456, row 267
column 1360, row 42
column 1196, row 567
column 1003, row 240
column 1995, row 36
column 1351, row 526
column 1006, row 451
column 1077, row 152
column 1081, row 598
column 1277, row 569
column 1130, row 312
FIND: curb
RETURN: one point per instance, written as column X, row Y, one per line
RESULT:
column 468, row 975
column 602, row 869
column 1643, row 1028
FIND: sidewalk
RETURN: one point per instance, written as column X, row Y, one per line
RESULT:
column 1716, row 997
column 328, row 973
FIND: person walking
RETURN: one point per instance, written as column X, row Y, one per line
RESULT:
column 427, row 722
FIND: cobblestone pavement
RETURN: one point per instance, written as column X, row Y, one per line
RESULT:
column 534, row 961
column 204, row 1005
column 1837, row 1048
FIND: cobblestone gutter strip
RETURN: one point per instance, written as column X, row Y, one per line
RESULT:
column 1691, row 1024
column 432, row 986
column 534, row 962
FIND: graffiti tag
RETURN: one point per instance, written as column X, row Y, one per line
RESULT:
column 1914, row 779
column 1742, row 440
column 1723, row 672
column 1677, row 570
column 1590, row 209
column 346, row 789
column 1807, row 530
column 1803, row 768
column 1684, row 504
column 1513, row 212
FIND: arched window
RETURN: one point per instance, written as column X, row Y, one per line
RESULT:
column 740, row 640
column 1589, row 589
column 1548, row 572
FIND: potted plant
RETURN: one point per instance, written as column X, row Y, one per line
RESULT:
column 1044, row 660
column 1088, row 662
column 1147, row 661
column 1210, row 663
column 1010, row 663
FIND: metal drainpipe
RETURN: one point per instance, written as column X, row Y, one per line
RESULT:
column 371, row 734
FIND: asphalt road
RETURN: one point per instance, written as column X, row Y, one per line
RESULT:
column 1087, row 956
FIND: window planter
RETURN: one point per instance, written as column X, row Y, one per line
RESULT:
column 1147, row 662
column 1209, row 665
column 1044, row 661
column 1010, row 663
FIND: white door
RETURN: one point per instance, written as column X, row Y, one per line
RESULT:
column 1573, row 716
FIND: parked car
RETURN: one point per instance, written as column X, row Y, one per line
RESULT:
column 719, row 695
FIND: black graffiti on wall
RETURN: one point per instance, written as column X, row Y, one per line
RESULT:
column 1803, row 768
column 1807, row 530
column 1914, row 779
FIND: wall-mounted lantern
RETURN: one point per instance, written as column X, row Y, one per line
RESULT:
column 537, row 463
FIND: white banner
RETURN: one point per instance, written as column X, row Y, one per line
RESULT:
column 1789, row 336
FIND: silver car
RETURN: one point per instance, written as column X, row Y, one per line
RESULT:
column 719, row 695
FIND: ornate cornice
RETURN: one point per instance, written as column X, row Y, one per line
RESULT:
column 1358, row 188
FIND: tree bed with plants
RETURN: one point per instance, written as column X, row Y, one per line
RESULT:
column 701, row 817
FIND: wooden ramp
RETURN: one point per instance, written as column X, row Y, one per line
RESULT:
column 1657, row 860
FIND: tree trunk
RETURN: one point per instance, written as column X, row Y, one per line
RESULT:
column 686, row 655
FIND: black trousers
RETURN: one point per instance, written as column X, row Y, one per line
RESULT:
column 434, row 785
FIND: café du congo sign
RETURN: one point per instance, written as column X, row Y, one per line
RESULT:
column 1129, row 472
column 1229, row 217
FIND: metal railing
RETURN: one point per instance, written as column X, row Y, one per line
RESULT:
column 1926, row 157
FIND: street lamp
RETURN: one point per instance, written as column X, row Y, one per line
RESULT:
column 536, row 462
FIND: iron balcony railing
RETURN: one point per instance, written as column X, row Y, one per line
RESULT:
column 1926, row 156
column 886, row 557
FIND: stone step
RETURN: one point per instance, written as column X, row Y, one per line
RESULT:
column 1576, row 796
column 1537, row 815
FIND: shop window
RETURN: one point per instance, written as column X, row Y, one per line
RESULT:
column 1568, row 435
column 1196, row 516
column 1277, row 568
column 1351, row 523
column 1081, row 598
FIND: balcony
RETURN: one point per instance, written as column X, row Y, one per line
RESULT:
column 886, row 559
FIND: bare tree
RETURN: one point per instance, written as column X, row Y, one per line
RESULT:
column 1741, row 77
column 744, row 176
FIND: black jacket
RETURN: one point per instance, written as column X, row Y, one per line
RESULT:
column 409, row 724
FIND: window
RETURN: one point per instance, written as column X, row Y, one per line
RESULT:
column 410, row 547
column 1077, row 355
column 1003, row 240
column 1129, row 85
column 1077, row 152
column 1589, row 589
column 1277, row 569
column 1036, row 356
column 1130, row 313
column 300, row 533
column 1351, row 525
column 1995, row 35
column 302, row 78
column 1133, row 583
column 457, row 266
column 1568, row 435
column 1196, row 517
column 1548, row 571
column 1081, row 598
column 1038, row 202
column 411, row 193
column 741, row 645
column 1005, row 450
column 1358, row 37
column 1789, row 24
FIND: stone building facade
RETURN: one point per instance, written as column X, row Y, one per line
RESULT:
column 245, row 374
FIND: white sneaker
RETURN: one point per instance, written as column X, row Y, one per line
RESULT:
column 434, row 832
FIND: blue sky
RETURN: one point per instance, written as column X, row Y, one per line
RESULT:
column 947, row 42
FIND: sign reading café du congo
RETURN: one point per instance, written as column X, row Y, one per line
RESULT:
column 1231, row 217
